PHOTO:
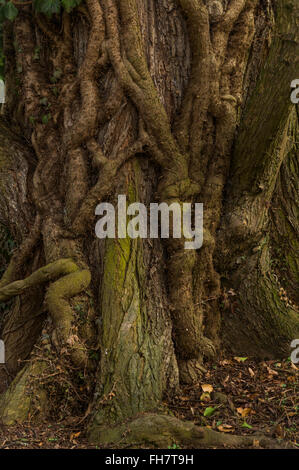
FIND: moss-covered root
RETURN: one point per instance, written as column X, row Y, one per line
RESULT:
column 72, row 281
column 49, row 272
column 17, row 403
column 161, row 431
column 62, row 314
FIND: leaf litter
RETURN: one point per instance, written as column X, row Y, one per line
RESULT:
column 243, row 397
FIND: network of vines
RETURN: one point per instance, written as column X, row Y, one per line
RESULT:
column 10, row 9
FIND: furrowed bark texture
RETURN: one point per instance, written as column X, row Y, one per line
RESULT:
column 163, row 101
column 258, row 165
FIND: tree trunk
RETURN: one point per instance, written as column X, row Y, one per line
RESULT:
column 162, row 101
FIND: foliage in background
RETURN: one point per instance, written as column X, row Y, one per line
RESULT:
column 9, row 11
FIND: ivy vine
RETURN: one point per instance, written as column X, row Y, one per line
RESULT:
column 9, row 10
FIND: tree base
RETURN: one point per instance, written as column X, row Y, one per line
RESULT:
column 191, row 371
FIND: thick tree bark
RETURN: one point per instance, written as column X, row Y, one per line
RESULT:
column 260, row 320
column 285, row 217
column 161, row 100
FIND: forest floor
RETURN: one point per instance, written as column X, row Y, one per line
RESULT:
column 236, row 395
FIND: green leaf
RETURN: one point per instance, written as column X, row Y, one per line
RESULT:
column 209, row 411
column 246, row 425
column 56, row 76
column 46, row 118
column 241, row 359
column 69, row 5
column 48, row 7
column 43, row 101
column 10, row 11
column 36, row 53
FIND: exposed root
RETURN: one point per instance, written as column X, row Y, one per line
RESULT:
column 44, row 274
column 72, row 282
column 20, row 257
column 15, row 403
column 191, row 371
column 62, row 314
column 161, row 431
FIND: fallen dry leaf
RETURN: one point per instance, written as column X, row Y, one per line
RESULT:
column 207, row 388
column 225, row 362
column 74, row 436
column 256, row 443
column 244, row 412
column 72, row 340
column 225, row 428
column 271, row 371
column 205, row 397
column 278, row 431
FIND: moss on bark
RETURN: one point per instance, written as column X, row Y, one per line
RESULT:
column 16, row 404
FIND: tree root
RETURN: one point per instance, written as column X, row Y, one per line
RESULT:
column 73, row 281
column 162, row 431
column 61, row 312
column 44, row 274
column 16, row 403
column 20, row 257
column 191, row 371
